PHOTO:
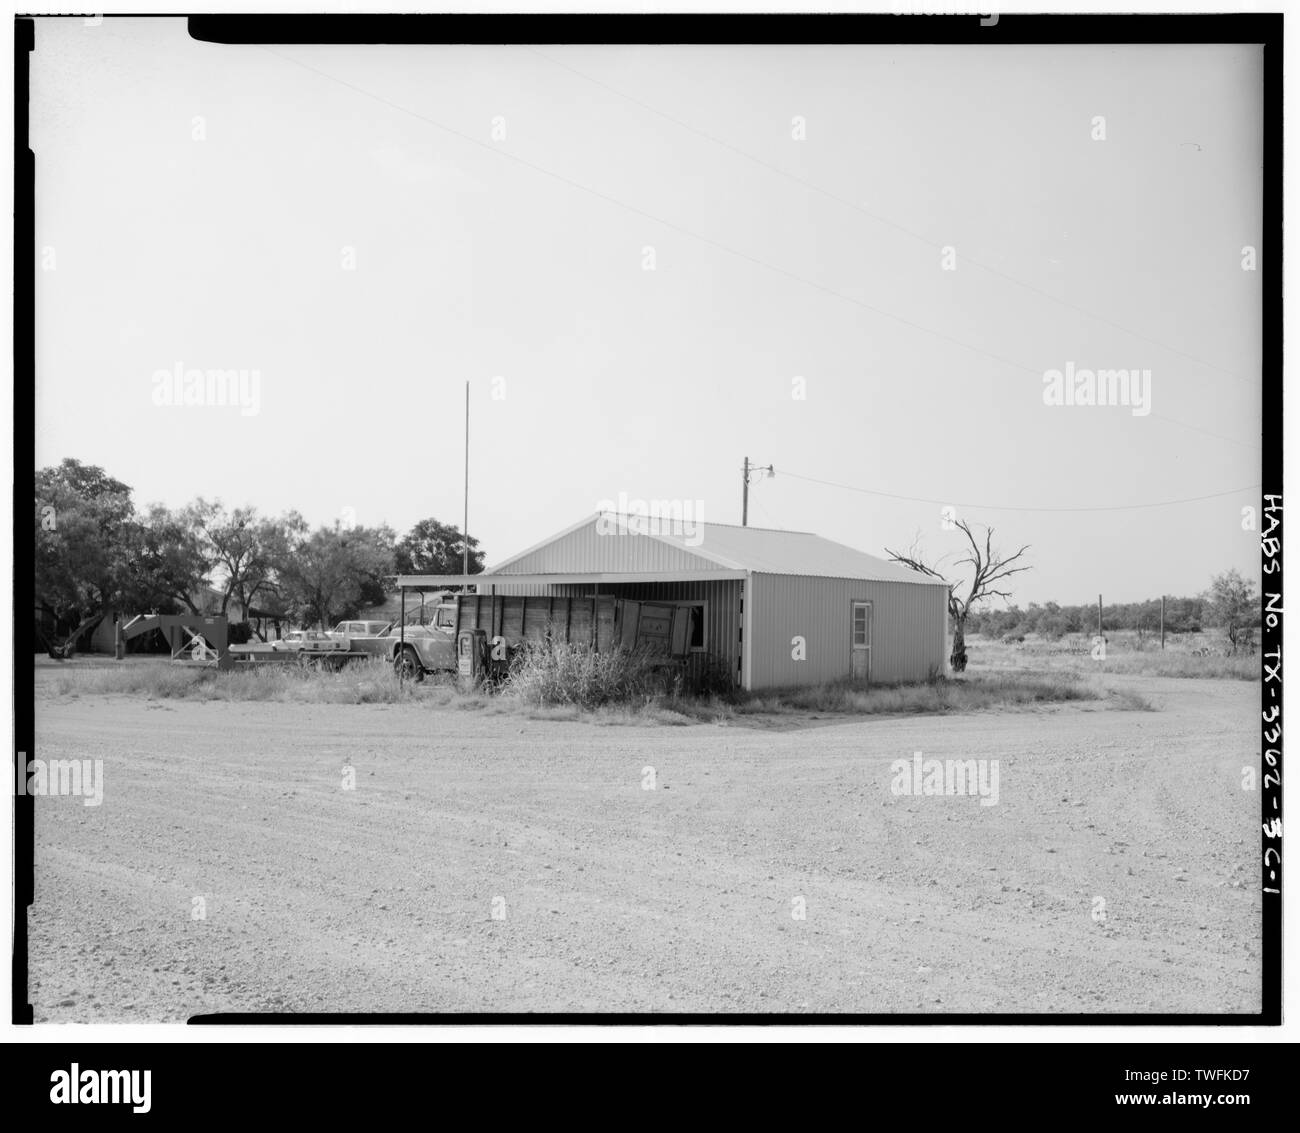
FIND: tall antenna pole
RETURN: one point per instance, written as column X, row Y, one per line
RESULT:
column 465, row 530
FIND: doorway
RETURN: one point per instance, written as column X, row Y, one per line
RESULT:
column 860, row 654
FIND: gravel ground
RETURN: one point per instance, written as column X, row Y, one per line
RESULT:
column 610, row 897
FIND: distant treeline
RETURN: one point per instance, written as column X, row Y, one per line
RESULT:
column 1182, row 615
column 97, row 553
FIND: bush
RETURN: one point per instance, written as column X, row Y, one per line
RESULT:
column 553, row 672
column 709, row 675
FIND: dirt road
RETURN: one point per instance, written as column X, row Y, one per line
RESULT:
column 496, row 863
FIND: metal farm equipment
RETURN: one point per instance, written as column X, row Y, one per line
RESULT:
column 190, row 637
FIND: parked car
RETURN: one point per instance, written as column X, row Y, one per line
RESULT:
column 359, row 629
column 312, row 640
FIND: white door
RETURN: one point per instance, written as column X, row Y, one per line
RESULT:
column 860, row 656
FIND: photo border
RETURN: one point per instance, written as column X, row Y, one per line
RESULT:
column 1265, row 29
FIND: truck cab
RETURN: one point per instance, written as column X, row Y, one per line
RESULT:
column 429, row 646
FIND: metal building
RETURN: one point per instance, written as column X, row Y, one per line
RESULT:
column 776, row 608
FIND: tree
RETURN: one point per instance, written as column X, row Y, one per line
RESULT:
column 988, row 567
column 168, row 561
column 83, row 532
column 1234, row 607
column 333, row 573
column 242, row 548
column 1054, row 621
column 431, row 547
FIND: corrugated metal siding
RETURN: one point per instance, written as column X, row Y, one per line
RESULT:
column 722, row 610
column 907, row 629
column 721, row 615
column 515, row 617
column 587, row 549
column 528, row 588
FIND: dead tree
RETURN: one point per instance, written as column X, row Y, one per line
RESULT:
column 990, row 569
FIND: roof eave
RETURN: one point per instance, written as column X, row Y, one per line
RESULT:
column 562, row 578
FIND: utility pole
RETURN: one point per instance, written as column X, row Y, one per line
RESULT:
column 1099, row 633
column 744, row 507
column 465, row 529
column 745, row 470
column 1162, row 621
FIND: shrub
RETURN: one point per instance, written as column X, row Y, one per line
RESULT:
column 710, row 676
column 553, row 672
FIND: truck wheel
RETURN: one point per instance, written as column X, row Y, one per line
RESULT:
column 407, row 664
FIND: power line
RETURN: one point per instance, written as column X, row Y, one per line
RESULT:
column 700, row 237
column 886, row 221
column 996, row 507
column 773, row 520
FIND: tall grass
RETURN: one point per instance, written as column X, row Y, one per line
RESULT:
column 557, row 681
column 971, row 693
column 1191, row 657
column 369, row 682
column 1238, row 667
column 943, row 694
column 553, row 673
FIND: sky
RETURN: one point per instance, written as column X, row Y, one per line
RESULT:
column 856, row 264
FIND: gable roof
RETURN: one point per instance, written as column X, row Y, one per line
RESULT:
column 771, row 551
column 610, row 543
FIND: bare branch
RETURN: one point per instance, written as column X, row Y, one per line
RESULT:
column 914, row 563
column 987, row 568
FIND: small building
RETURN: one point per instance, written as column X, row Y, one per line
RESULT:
column 775, row 608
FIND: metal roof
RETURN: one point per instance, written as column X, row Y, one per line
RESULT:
column 770, row 551
column 617, row 549
column 583, row 577
column 616, row 552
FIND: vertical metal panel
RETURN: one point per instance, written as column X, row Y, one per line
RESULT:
column 907, row 629
column 908, row 623
column 530, row 589
column 722, row 614
column 722, row 608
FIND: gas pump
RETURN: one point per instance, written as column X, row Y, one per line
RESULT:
column 471, row 654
